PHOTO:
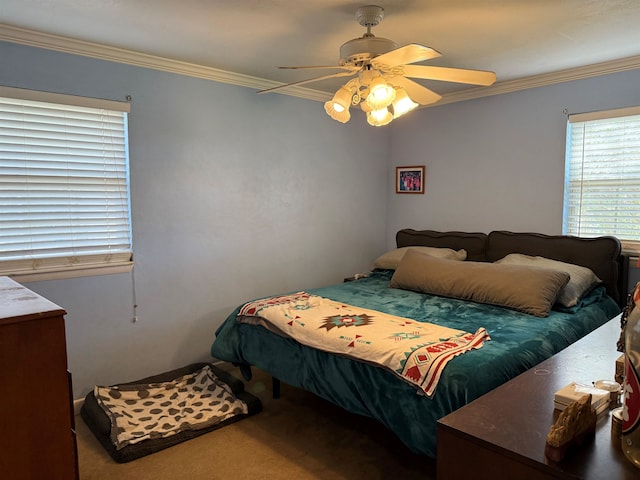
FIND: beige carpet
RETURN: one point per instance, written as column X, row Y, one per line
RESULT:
column 297, row 437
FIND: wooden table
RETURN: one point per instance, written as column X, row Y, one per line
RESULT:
column 502, row 434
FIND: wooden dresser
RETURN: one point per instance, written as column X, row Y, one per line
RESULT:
column 37, row 438
column 502, row 434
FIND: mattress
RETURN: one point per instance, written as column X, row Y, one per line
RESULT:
column 518, row 342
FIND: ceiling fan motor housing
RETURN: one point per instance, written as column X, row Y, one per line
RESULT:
column 360, row 50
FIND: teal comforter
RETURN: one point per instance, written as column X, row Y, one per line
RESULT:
column 518, row 342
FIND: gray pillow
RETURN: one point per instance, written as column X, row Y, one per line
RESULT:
column 581, row 279
column 391, row 259
column 527, row 289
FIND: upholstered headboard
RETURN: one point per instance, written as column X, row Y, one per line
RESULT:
column 602, row 254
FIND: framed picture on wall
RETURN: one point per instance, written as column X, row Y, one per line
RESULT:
column 410, row 179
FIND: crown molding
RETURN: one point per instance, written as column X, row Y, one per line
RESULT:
column 588, row 71
column 58, row 43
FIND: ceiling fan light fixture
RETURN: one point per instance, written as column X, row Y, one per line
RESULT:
column 338, row 107
column 381, row 94
column 379, row 117
column 342, row 99
column 366, row 75
column 402, row 103
column 342, row 116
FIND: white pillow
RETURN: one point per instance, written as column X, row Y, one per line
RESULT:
column 391, row 259
column 581, row 281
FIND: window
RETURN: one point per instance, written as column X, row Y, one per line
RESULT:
column 602, row 176
column 64, row 190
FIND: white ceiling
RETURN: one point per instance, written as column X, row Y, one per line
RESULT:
column 514, row 38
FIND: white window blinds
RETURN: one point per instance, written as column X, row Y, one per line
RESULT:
column 602, row 176
column 64, row 195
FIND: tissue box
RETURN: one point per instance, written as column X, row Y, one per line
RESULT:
column 575, row 390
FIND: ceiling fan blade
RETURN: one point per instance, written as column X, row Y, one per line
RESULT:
column 400, row 56
column 318, row 67
column 445, row 74
column 309, row 80
column 417, row 92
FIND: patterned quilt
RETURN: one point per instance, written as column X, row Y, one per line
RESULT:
column 415, row 351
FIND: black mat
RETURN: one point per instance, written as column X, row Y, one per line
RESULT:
column 99, row 423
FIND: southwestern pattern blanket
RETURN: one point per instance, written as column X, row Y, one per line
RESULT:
column 415, row 351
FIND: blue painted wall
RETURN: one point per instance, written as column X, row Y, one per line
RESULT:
column 234, row 196
column 497, row 163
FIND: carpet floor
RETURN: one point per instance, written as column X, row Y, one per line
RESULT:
column 298, row 436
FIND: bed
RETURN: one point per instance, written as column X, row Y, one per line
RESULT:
column 436, row 287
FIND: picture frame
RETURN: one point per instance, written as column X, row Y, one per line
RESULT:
column 410, row 179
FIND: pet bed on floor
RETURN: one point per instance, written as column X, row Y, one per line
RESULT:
column 138, row 418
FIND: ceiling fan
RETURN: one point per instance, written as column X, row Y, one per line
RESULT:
column 383, row 87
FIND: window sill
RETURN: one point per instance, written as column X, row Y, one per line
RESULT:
column 71, row 272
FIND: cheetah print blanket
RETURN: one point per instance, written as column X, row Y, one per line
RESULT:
column 158, row 410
